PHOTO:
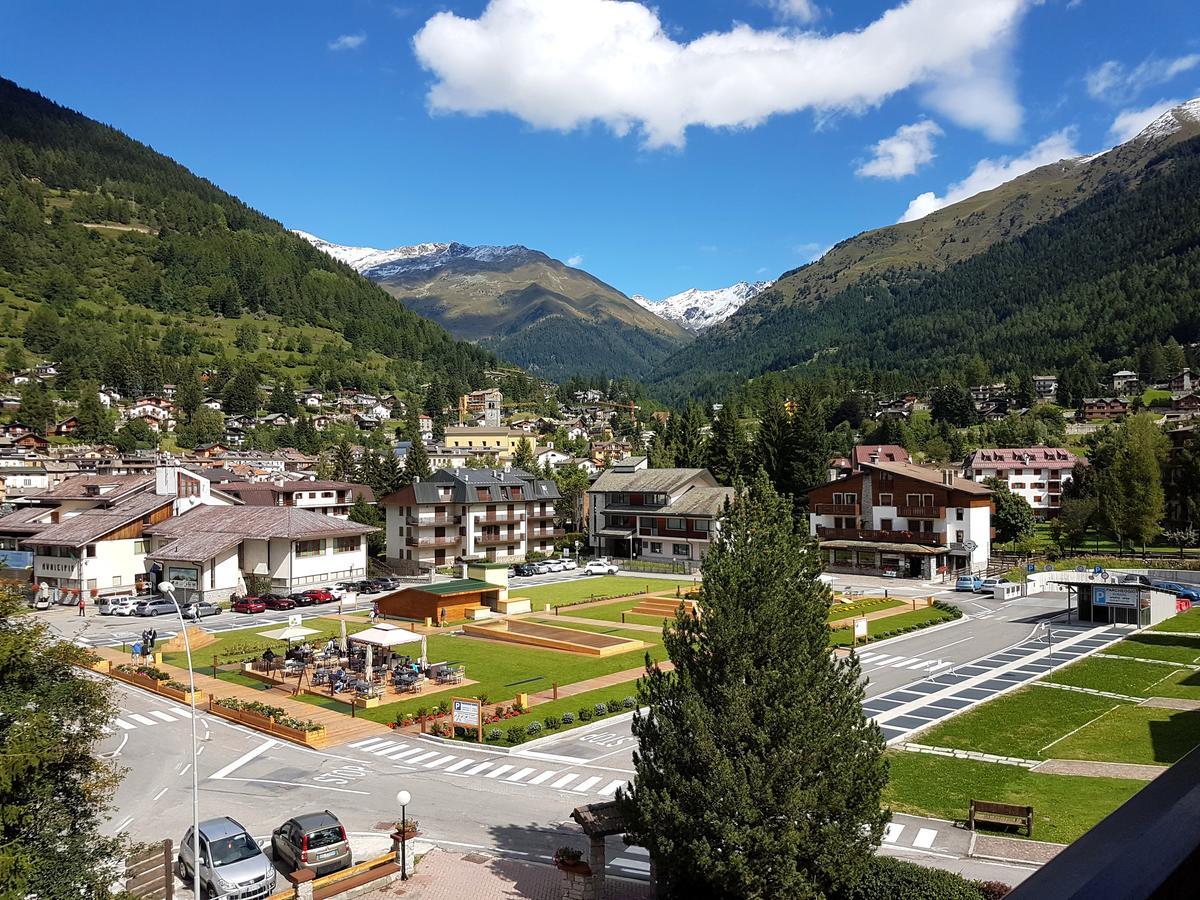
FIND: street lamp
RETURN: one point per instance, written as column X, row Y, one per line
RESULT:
column 403, row 798
column 168, row 589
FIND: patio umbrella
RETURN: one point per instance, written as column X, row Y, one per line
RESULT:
column 289, row 634
column 370, row 661
column 343, row 642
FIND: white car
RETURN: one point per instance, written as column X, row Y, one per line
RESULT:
column 600, row 567
column 555, row 565
column 122, row 606
column 342, row 591
column 569, row 564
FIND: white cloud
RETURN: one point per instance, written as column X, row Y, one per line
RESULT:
column 348, row 42
column 802, row 11
column 576, row 260
column 1129, row 122
column 563, row 64
column 811, row 251
column 904, row 152
column 1117, row 83
column 990, row 173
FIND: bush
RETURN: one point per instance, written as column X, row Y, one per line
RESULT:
column 568, row 718
column 629, row 703
column 494, row 734
column 552, row 722
column 516, row 734
column 886, row 876
column 600, row 709
column 614, row 706
column 483, row 699
column 585, row 714
column 533, row 728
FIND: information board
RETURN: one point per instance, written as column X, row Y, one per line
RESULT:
column 466, row 712
column 1113, row 595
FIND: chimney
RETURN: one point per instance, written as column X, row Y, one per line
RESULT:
column 948, row 477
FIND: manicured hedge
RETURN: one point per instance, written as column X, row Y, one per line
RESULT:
column 888, row 878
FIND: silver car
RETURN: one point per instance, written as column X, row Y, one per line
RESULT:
column 232, row 865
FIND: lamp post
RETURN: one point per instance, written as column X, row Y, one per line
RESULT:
column 403, row 798
column 168, row 589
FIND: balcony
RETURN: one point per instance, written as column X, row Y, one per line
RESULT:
column 547, row 532
column 501, row 517
column 449, row 540
column 539, row 514
column 490, row 540
column 836, row 509
column 443, row 519
column 921, row 512
column 920, row 538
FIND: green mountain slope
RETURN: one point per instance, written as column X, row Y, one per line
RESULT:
column 107, row 248
column 751, row 341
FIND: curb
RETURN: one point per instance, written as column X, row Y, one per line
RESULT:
column 529, row 745
column 912, row 634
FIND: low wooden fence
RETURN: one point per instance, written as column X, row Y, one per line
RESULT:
column 149, row 874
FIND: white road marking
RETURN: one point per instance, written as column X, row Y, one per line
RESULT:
column 158, row 714
column 637, row 865
column 611, row 788
column 939, row 667
column 925, row 838
column 405, row 753
column 545, row 776
column 122, row 826
column 884, row 660
column 923, row 664
column 181, row 712
column 243, row 759
column 584, row 785
column 142, row 720
column 565, row 780
column 479, row 768
column 891, row 832
column 121, row 723
column 159, row 794
column 439, row 762
column 498, row 771
column 383, row 748
column 369, row 742
column 517, row 776
column 424, row 756
column 462, row 764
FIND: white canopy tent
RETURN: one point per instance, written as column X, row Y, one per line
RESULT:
column 289, row 633
column 387, row 636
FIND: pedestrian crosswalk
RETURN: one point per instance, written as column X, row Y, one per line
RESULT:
column 898, row 834
column 417, row 755
column 873, row 660
column 128, row 721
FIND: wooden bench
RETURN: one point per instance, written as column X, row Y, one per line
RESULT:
column 1000, row 814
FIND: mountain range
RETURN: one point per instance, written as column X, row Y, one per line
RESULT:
column 698, row 310
column 552, row 319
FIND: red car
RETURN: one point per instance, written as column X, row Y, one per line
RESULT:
column 320, row 595
column 249, row 605
column 274, row 601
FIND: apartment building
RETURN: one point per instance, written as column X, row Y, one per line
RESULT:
column 457, row 514
column 1037, row 474
column 900, row 519
column 664, row 515
column 502, row 442
column 484, row 406
column 329, row 498
column 1104, row 408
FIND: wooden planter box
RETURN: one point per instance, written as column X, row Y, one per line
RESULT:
column 143, row 681
column 181, row 696
column 103, row 666
column 268, row 725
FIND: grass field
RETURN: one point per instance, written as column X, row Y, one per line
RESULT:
column 1120, row 676
column 1184, row 621
column 1018, row 724
column 1064, row 806
column 1134, row 734
column 921, row 618
column 245, row 642
column 1165, row 646
column 584, row 590
column 861, row 607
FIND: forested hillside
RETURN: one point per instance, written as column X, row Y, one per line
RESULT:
column 116, row 261
column 1117, row 273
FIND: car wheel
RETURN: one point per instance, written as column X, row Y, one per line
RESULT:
column 180, row 869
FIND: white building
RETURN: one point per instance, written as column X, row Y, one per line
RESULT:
column 1037, row 474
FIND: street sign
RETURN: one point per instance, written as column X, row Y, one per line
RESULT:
column 970, row 546
column 468, row 713
column 295, row 620
column 1047, row 568
column 1097, row 570
column 1111, row 595
column 1031, row 568
column 1081, row 568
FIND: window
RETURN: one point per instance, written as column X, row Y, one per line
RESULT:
column 700, row 525
column 885, row 500
column 675, row 524
column 843, row 557
column 140, row 546
column 680, row 550
column 958, row 514
column 885, row 525
column 310, row 548
column 90, row 551
column 656, row 547
column 346, row 544
column 958, row 537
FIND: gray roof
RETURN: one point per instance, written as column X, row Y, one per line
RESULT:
column 93, row 524
column 25, row 521
column 661, row 481
column 260, row 522
column 465, row 485
column 196, row 547
column 112, row 487
column 700, row 501
column 930, row 476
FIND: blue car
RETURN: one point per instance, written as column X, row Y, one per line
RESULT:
column 1179, row 590
column 972, row 583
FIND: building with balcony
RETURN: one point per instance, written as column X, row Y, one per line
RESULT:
column 495, row 514
column 481, row 406
column 330, row 498
column 896, row 518
column 1036, row 474
column 663, row 515
column 498, row 441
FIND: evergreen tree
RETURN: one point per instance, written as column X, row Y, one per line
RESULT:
column 389, row 473
column 365, row 513
column 37, row 409
column 207, row 427
column 524, row 457
column 345, row 468
column 135, row 435
column 283, row 398
column 728, row 451
column 95, row 424
column 14, row 358
column 772, row 720
column 661, row 453
column 810, row 443
column 189, row 392
column 416, row 463
column 43, row 330
column 1130, row 486
column 1013, row 518
column 952, row 403
column 307, row 438
column 572, row 482
column 689, row 437
column 241, row 394
column 773, row 445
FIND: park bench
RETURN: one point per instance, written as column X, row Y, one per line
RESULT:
column 1000, row 814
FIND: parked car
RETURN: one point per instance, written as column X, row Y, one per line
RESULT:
column 123, row 606
column 524, row 570
column 315, row 841
column 342, row 589
column 540, row 568
column 231, row 862
column 381, row 584
column 554, row 565
column 201, row 610
column 600, row 566
column 41, row 602
column 106, row 606
column 364, row 587
column 968, row 583
column 988, row 585
column 302, row 599
column 249, row 605
column 1188, row 592
column 155, row 607
column 569, row 564
column 1136, row 579
column 320, row 595
column 274, row 601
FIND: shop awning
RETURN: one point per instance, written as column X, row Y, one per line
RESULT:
column 883, row 547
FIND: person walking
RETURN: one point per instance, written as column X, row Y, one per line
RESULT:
column 153, row 639
column 135, row 655
column 82, row 603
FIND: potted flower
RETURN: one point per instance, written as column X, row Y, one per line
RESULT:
column 407, row 829
column 570, row 860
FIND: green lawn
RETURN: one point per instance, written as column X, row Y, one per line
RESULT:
column 1184, row 621
column 1120, row 676
column 1134, row 734
column 611, row 612
column 584, row 589
column 1064, row 806
column 245, row 642
column 541, row 711
column 1162, row 645
column 861, row 607
column 1018, row 724
column 877, row 627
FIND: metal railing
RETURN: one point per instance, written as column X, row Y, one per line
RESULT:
column 921, row 538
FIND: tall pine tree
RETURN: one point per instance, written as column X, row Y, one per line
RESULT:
column 757, row 773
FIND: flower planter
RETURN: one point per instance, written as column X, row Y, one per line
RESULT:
column 143, row 681
column 574, row 868
column 103, row 666
column 182, row 696
column 268, row 725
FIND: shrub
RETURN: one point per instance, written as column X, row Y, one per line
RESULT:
column 629, row 703
column 443, row 708
column 567, row 855
column 422, row 712
column 552, row 722
column 483, row 699
column 614, row 706
column 516, row 734
column 494, row 734
column 585, row 714
column 993, row 890
column 886, row 876
column 568, row 718
column 533, row 728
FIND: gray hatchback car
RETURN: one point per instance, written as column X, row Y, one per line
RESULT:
column 232, row 865
column 315, row 841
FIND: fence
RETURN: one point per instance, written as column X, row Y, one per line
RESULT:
column 675, row 567
column 148, row 874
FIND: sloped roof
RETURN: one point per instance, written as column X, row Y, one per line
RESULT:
column 93, row 524
column 700, row 501
column 25, row 520
column 258, row 522
column 457, row 586
column 650, row 480
column 930, row 476
column 196, row 547
column 112, row 487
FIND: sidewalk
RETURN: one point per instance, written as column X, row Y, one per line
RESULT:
column 445, row 875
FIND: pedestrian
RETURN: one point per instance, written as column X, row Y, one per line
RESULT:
column 145, row 636
column 135, row 654
column 374, row 611
column 81, row 605
column 153, row 639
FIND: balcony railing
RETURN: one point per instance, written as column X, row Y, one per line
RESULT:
column 920, row 512
column 449, row 540
column 488, row 540
column 504, row 517
column 540, row 514
column 547, row 532
column 922, row 538
column 443, row 519
column 837, row 509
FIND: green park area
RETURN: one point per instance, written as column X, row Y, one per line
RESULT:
column 1043, row 722
column 586, row 590
column 893, row 626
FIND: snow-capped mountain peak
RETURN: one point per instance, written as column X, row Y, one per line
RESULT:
column 376, row 263
column 1172, row 120
column 697, row 310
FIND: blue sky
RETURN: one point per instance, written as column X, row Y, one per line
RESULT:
column 688, row 144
